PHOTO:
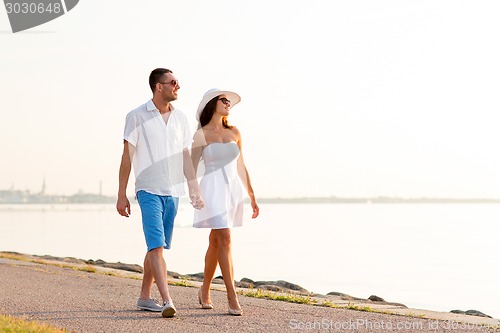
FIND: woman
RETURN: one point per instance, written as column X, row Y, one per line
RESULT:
column 219, row 145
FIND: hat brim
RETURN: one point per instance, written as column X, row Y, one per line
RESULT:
column 233, row 97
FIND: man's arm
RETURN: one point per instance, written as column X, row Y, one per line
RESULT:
column 122, row 203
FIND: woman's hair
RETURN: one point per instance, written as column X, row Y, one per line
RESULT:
column 208, row 112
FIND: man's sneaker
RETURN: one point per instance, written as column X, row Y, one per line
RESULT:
column 168, row 309
column 149, row 305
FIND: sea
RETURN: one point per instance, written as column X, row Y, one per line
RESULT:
column 433, row 256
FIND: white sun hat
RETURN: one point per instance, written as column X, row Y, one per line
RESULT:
column 233, row 97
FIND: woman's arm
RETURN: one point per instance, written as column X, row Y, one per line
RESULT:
column 197, row 148
column 245, row 177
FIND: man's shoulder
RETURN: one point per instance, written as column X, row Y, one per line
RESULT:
column 141, row 108
column 139, row 112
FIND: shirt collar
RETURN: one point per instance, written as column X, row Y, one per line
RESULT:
column 150, row 106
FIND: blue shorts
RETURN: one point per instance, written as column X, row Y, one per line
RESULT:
column 158, row 214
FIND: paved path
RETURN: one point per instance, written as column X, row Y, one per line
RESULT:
column 90, row 302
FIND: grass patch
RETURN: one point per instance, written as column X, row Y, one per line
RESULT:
column 14, row 256
column 360, row 308
column 329, row 304
column 300, row 299
column 10, row 324
column 369, row 309
column 182, row 283
column 292, row 298
column 88, row 269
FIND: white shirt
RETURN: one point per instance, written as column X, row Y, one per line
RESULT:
column 158, row 158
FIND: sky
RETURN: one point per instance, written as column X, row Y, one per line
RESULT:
column 339, row 98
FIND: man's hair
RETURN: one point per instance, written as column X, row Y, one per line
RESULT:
column 155, row 76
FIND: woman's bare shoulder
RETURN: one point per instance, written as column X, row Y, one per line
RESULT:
column 235, row 130
column 199, row 137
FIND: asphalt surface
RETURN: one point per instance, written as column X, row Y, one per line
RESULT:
column 90, row 302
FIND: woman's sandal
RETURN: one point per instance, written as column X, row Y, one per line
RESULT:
column 204, row 305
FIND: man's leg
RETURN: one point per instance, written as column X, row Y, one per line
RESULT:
column 158, row 266
column 156, row 269
column 169, row 212
column 152, row 210
column 147, row 280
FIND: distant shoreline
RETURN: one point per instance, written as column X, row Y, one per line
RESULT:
column 97, row 199
column 12, row 196
column 378, row 200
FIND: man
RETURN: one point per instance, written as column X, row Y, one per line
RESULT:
column 156, row 142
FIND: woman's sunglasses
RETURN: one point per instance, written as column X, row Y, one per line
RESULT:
column 225, row 101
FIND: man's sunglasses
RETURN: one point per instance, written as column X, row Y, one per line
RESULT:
column 175, row 83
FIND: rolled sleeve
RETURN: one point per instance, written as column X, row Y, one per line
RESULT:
column 131, row 129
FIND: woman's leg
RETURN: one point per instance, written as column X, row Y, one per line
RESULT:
column 210, row 267
column 226, row 265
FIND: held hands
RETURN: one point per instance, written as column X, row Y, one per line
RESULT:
column 195, row 194
column 123, row 206
column 197, row 201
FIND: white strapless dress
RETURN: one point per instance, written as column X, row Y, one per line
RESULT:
column 221, row 188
